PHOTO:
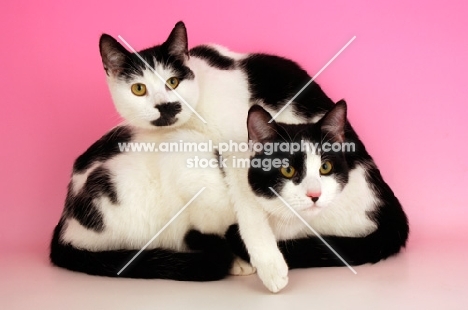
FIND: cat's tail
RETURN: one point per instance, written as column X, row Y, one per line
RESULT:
column 210, row 260
column 389, row 238
column 313, row 252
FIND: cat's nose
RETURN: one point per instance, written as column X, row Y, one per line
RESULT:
column 314, row 195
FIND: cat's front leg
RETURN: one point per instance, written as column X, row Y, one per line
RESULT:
column 261, row 245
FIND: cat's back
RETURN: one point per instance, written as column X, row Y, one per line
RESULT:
column 217, row 56
column 265, row 79
column 104, row 148
column 111, row 186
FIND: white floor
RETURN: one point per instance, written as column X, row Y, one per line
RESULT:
column 427, row 275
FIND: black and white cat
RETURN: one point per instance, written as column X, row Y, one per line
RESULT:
column 340, row 194
column 118, row 201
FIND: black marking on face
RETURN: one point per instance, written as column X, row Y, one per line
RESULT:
column 81, row 206
column 125, row 65
column 103, row 149
column 213, row 57
column 340, row 170
column 134, row 66
column 261, row 180
column 168, row 111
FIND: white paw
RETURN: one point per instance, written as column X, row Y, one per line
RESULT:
column 273, row 271
column 241, row 268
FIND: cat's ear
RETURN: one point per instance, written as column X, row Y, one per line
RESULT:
column 113, row 54
column 177, row 43
column 333, row 123
column 258, row 126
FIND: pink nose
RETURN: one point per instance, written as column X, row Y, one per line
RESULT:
column 314, row 195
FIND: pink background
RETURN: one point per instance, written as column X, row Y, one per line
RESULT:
column 404, row 79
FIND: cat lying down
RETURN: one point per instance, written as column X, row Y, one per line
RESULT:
column 119, row 200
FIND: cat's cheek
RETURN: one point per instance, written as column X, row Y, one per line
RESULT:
column 330, row 191
column 182, row 117
column 190, row 95
column 188, row 91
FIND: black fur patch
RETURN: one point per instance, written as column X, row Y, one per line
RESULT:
column 126, row 65
column 81, row 206
column 210, row 259
column 157, row 55
column 261, row 180
column 103, row 149
column 213, row 57
column 275, row 80
column 168, row 111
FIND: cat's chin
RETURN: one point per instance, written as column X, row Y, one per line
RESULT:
column 310, row 211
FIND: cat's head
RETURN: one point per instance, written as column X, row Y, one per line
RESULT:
column 308, row 178
column 151, row 97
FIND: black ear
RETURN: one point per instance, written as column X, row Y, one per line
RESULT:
column 177, row 43
column 258, row 127
column 113, row 54
column 333, row 123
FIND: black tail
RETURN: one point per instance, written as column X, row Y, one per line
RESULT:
column 390, row 236
column 211, row 260
column 312, row 252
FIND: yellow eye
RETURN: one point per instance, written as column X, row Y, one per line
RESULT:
column 172, row 82
column 288, row 172
column 326, row 167
column 139, row 89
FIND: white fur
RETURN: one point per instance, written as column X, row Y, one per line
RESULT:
column 241, row 268
column 256, row 230
column 79, row 179
column 347, row 211
column 152, row 188
column 223, row 102
column 227, row 52
column 287, row 116
column 316, row 118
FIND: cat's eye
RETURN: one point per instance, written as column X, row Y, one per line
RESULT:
column 326, row 167
column 139, row 89
column 288, row 172
column 172, row 82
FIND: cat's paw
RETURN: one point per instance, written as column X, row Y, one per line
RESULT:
column 273, row 271
column 241, row 268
